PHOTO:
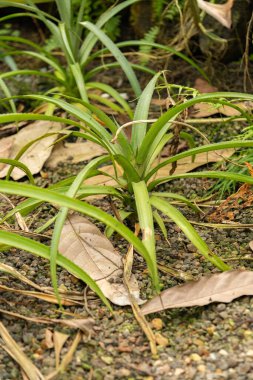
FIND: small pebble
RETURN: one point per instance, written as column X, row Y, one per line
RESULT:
column 195, row 357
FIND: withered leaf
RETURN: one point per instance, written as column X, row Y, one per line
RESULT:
column 206, row 109
column 74, row 153
column 84, row 244
column 203, row 86
column 221, row 12
column 36, row 154
column 220, row 287
column 15, row 351
column 183, row 166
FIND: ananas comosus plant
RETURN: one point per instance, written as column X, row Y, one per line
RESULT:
column 135, row 162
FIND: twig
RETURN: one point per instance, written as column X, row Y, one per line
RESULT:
column 136, row 310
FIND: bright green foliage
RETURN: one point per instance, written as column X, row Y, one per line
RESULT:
column 75, row 39
column 75, row 43
column 135, row 167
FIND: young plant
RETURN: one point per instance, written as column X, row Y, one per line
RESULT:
column 135, row 164
column 75, row 41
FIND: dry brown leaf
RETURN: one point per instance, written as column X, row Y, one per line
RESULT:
column 5, row 149
column 186, row 165
column 51, row 298
column 48, row 341
column 203, row 86
column 251, row 245
column 183, row 166
column 20, row 220
column 74, row 153
column 67, row 358
column 59, row 341
column 84, row 244
column 37, row 154
column 13, row 272
column 19, row 356
column 74, row 297
column 232, row 206
column 221, row 12
column 207, row 109
column 84, row 324
column 219, row 287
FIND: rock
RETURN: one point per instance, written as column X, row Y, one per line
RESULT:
column 195, row 357
column 157, row 323
column 249, row 353
column 161, row 340
column 107, row 359
column 224, row 315
column 223, row 352
column 178, row 371
column 212, row 356
column 223, row 364
column 221, row 307
column 123, row 372
column 201, row 368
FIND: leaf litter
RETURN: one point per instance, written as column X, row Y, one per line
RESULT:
column 36, row 155
column 220, row 287
column 83, row 243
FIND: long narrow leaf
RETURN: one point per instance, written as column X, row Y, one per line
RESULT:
column 209, row 174
column 91, row 39
column 145, row 218
column 126, row 67
column 62, row 215
column 20, row 165
column 12, row 240
column 188, row 230
column 142, row 113
column 84, row 208
column 160, row 127
column 202, row 149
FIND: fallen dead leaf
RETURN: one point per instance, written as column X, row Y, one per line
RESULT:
column 183, row 166
column 51, row 298
column 67, row 358
column 5, row 149
column 13, row 349
column 48, row 341
column 83, row 243
column 236, row 202
column 207, row 109
column 59, row 340
column 37, row 154
column 220, row 12
column 203, row 86
column 83, row 324
column 219, row 287
column 73, row 152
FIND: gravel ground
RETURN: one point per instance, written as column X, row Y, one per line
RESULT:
column 211, row 342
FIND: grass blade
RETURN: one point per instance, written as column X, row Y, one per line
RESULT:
column 126, row 67
column 209, row 174
column 39, row 249
column 145, row 217
column 188, row 230
column 52, row 197
column 142, row 113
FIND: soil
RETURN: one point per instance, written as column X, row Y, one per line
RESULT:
column 211, row 342
column 202, row 343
